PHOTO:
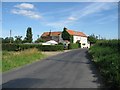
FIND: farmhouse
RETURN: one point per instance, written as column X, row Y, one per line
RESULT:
column 51, row 36
column 77, row 37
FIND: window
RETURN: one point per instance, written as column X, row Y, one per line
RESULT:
column 83, row 44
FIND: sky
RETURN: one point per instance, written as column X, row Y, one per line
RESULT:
column 99, row 18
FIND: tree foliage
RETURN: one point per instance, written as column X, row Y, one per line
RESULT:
column 7, row 40
column 18, row 39
column 92, row 39
column 29, row 35
column 65, row 34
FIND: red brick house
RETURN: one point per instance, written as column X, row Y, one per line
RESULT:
column 51, row 36
column 57, row 36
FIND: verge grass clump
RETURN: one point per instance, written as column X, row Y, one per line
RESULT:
column 14, row 59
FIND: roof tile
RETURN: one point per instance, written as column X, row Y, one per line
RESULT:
column 76, row 33
column 51, row 33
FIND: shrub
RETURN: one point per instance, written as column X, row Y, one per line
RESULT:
column 73, row 46
column 50, row 47
column 9, row 47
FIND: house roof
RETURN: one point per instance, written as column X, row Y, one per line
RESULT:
column 51, row 33
column 71, row 32
column 76, row 33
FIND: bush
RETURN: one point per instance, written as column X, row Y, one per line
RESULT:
column 50, row 47
column 73, row 46
column 9, row 47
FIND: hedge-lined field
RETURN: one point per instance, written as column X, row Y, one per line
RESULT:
column 106, row 56
column 17, row 47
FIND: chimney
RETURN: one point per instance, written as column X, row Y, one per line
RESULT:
column 50, row 33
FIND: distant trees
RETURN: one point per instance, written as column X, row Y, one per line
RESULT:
column 92, row 39
column 11, row 39
column 28, row 38
column 18, row 39
column 8, row 40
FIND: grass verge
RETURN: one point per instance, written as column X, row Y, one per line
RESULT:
column 12, row 59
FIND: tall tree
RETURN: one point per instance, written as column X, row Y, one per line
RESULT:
column 65, row 34
column 29, row 35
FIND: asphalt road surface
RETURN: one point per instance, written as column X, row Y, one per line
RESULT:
column 71, row 69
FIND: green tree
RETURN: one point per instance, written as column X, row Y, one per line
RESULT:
column 65, row 34
column 92, row 39
column 29, row 35
column 7, row 40
column 18, row 39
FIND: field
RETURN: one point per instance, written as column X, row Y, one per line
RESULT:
column 13, row 59
column 106, row 57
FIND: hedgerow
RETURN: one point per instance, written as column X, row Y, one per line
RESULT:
column 106, row 56
column 73, row 46
column 18, row 47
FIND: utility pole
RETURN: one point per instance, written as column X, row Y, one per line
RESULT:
column 10, row 35
column 99, row 37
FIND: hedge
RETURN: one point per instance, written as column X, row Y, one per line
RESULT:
column 106, row 56
column 50, row 47
column 9, row 47
column 17, row 47
column 73, row 46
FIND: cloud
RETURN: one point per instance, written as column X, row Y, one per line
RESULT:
column 107, row 19
column 72, row 18
column 27, row 13
column 24, row 9
column 91, row 9
column 25, row 6
column 79, row 13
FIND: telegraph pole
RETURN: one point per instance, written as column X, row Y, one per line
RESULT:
column 10, row 35
column 99, row 37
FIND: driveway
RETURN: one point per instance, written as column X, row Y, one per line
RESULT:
column 71, row 69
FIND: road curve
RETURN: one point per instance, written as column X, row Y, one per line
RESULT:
column 71, row 69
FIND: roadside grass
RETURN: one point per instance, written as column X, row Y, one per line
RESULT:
column 12, row 59
column 106, row 56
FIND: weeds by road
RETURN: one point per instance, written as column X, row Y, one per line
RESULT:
column 12, row 59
